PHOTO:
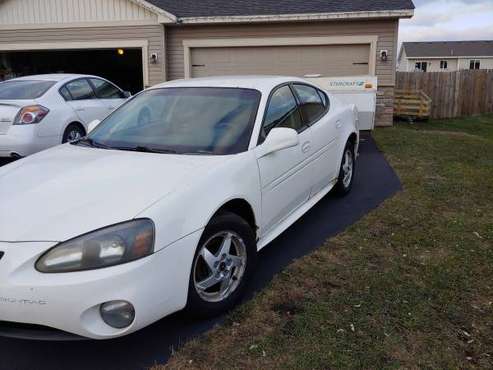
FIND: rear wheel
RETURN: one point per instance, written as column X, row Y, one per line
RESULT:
column 222, row 266
column 347, row 171
column 73, row 132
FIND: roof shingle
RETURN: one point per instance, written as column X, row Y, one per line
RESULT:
column 214, row 8
column 449, row 49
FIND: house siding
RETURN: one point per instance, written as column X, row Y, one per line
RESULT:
column 454, row 64
column 154, row 34
column 386, row 30
column 31, row 13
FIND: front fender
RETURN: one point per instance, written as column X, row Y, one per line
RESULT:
column 191, row 208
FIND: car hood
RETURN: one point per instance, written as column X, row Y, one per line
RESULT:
column 70, row 190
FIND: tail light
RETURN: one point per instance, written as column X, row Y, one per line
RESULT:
column 31, row 114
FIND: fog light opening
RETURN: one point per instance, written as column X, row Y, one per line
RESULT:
column 118, row 314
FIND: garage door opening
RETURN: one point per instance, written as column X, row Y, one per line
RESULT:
column 121, row 66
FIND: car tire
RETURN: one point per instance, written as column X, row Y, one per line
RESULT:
column 229, row 271
column 74, row 131
column 347, row 171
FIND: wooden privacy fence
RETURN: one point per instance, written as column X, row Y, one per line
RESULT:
column 453, row 94
column 412, row 103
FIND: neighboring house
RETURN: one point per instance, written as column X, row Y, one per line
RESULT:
column 445, row 56
column 139, row 43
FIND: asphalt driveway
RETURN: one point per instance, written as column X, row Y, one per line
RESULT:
column 375, row 182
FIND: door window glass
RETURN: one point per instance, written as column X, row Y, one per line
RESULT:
column 80, row 90
column 282, row 112
column 105, row 90
column 311, row 105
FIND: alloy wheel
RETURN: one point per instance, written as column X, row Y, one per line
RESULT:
column 220, row 266
column 347, row 168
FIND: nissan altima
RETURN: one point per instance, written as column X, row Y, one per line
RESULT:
column 164, row 205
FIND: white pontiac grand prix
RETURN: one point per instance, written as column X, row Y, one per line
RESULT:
column 165, row 204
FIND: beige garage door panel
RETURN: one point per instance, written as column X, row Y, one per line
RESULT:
column 326, row 60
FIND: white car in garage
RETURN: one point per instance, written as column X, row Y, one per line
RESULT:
column 38, row 112
column 172, row 197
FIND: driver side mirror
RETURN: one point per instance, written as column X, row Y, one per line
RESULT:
column 92, row 125
column 127, row 94
column 279, row 138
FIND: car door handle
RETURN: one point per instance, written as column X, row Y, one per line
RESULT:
column 80, row 109
column 338, row 124
column 305, row 148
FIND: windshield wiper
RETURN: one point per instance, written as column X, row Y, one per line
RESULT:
column 90, row 142
column 146, row 149
column 200, row 152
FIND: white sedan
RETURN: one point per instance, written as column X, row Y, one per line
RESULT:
column 38, row 112
column 165, row 204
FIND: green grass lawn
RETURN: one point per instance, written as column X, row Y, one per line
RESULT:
column 409, row 286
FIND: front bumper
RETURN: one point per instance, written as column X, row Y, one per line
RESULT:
column 156, row 285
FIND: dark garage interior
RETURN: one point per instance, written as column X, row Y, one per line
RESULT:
column 121, row 66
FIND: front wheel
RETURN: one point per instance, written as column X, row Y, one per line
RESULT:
column 222, row 266
column 346, row 172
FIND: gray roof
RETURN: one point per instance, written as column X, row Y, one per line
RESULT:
column 449, row 49
column 211, row 8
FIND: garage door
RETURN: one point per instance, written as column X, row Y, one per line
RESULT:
column 326, row 60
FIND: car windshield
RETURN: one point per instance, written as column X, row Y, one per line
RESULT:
column 24, row 89
column 206, row 120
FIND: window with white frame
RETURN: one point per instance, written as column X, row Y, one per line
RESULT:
column 475, row 64
column 443, row 64
column 421, row 66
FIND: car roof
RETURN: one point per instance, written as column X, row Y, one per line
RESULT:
column 258, row 82
column 57, row 77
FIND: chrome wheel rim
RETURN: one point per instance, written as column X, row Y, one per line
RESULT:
column 220, row 266
column 347, row 168
column 74, row 135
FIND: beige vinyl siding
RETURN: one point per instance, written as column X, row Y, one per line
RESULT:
column 42, row 12
column 386, row 30
column 154, row 34
column 325, row 60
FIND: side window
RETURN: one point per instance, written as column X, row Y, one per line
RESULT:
column 325, row 99
column 311, row 105
column 80, row 90
column 65, row 94
column 105, row 90
column 282, row 112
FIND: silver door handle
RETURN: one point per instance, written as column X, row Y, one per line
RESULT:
column 338, row 124
column 80, row 109
column 306, row 147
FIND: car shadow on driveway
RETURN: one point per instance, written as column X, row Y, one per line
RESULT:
column 375, row 181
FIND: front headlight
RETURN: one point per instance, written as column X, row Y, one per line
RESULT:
column 106, row 247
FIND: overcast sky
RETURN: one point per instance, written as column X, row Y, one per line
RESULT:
column 437, row 20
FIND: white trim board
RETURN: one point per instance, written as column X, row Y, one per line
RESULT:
column 109, row 44
column 299, row 17
column 163, row 15
column 281, row 41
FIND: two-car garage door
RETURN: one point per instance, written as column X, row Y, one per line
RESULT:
column 295, row 60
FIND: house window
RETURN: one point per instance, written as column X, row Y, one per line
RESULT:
column 475, row 64
column 443, row 64
column 421, row 66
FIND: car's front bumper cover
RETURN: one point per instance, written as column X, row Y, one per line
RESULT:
column 156, row 286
